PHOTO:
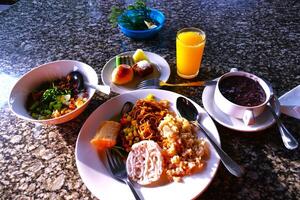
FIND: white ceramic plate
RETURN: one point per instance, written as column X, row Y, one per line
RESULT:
column 96, row 176
column 264, row 120
column 161, row 71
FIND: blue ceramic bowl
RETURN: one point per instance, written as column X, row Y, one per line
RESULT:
column 155, row 15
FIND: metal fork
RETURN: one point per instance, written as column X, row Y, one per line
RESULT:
column 156, row 83
column 118, row 170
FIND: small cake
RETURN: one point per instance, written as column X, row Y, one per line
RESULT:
column 143, row 68
column 122, row 74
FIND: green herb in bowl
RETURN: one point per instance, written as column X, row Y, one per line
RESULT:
column 54, row 99
column 138, row 19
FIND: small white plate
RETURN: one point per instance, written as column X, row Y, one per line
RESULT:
column 97, row 178
column 263, row 121
column 161, row 71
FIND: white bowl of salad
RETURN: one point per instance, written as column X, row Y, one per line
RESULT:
column 47, row 94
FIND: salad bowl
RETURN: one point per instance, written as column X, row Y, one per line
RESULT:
column 18, row 98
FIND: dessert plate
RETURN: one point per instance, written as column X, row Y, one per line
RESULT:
column 97, row 178
column 263, row 121
column 161, row 71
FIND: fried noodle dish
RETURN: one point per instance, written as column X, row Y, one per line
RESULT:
column 182, row 151
column 142, row 122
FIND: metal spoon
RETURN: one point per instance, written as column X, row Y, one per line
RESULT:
column 190, row 112
column 127, row 107
column 287, row 138
column 77, row 79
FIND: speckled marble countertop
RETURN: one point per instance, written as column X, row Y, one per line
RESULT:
column 257, row 36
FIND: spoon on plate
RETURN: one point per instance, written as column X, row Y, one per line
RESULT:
column 190, row 112
column 127, row 107
column 77, row 78
column 287, row 138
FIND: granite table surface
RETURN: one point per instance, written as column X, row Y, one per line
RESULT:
column 257, row 36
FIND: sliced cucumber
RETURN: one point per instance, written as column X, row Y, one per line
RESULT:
column 124, row 60
column 118, row 61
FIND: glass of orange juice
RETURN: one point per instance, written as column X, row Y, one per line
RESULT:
column 190, row 44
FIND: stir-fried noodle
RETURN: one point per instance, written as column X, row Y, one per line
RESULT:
column 142, row 122
column 182, row 151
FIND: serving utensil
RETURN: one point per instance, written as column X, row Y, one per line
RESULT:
column 190, row 112
column 156, row 83
column 118, row 170
column 77, row 77
column 127, row 107
column 287, row 138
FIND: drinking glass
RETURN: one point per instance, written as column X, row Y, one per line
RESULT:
column 190, row 44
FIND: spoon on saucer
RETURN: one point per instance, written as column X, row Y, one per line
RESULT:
column 287, row 138
column 190, row 112
column 77, row 77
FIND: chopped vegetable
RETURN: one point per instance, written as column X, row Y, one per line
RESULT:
column 54, row 99
column 118, row 61
column 128, row 60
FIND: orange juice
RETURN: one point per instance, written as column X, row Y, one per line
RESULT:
column 190, row 44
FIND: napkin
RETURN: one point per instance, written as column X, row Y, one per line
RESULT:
column 290, row 103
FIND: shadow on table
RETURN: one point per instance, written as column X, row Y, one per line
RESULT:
column 269, row 166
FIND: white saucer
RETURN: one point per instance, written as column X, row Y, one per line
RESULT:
column 264, row 121
column 162, row 72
